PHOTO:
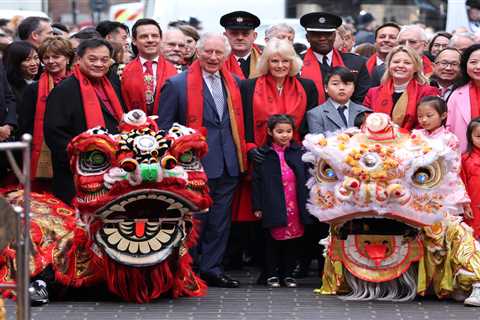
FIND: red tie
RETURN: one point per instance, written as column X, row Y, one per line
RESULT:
column 149, row 85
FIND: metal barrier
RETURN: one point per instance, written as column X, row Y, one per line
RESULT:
column 23, row 225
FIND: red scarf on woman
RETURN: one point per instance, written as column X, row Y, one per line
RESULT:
column 91, row 104
column 231, row 64
column 134, row 87
column 45, row 85
column 404, row 112
column 234, row 101
column 474, row 103
column 267, row 101
column 311, row 70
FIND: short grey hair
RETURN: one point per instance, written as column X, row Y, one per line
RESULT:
column 272, row 30
column 410, row 27
column 209, row 35
column 456, row 36
column 283, row 48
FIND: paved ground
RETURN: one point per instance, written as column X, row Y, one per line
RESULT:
column 254, row 302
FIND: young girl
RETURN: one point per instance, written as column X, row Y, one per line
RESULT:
column 279, row 196
column 432, row 116
column 471, row 173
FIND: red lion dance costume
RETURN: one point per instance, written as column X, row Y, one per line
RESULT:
column 131, row 225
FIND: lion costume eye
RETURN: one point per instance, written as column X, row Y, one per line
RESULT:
column 325, row 173
column 187, row 157
column 428, row 176
column 94, row 161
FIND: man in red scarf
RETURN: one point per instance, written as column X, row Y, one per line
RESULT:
column 240, row 31
column 85, row 100
column 321, row 57
column 148, row 66
column 414, row 37
column 385, row 41
column 207, row 97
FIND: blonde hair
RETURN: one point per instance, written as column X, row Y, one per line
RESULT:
column 283, row 48
column 417, row 63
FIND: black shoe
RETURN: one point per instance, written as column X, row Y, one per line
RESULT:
column 221, row 280
column 38, row 293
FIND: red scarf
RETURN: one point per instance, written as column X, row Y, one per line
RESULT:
column 311, row 70
column 371, row 63
column 405, row 108
column 231, row 64
column 91, row 104
column 133, row 88
column 234, row 101
column 267, row 101
column 474, row 103
column 427, row 66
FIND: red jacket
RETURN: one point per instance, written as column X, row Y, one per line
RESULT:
column 372, row 99
column 471, row 178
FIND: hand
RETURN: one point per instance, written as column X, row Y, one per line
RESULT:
column 256, row 155
column 467, row 211
column 258, row 214
column 5, row 132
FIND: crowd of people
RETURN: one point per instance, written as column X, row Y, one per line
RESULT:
column 255, row 104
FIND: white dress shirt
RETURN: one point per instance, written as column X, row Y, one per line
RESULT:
column 320, row 57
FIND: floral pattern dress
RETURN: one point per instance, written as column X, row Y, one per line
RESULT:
column 294, row 228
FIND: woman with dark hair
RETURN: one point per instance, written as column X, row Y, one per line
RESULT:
column 438, row 43
column 464, row 102
column 191, row 37
column 57, row 55
column 21, row 63
column 403, row 85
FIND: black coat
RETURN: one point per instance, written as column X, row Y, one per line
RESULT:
column 247, row 88
column 267, row 187
column 26, row 109
column 65, row 119
column 8, row 114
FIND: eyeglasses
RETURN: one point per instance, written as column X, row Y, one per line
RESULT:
column 445, row 64
column 410, row 42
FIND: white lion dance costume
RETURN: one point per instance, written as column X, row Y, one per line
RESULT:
column 394, row 202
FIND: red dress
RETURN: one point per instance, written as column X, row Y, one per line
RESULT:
column 471, row 179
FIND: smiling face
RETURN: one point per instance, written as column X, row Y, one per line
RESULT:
column 386, row 40
column 147, row 41
column 447, row 66
column 281, row 134
column 30, row 65
column 401, row 68
column 95, row 62
column 473, row 67
column 174, row 46
column 55, row 64
column 438, row 45
column 279, row 66
column 212, row 55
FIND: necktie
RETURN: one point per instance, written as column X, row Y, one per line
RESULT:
column 149, row 84
column 245, row 66
column 217, row 93
column 324, row 66
column 325, row 61
column 341, row 110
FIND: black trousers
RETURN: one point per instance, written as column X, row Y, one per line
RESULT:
column 280, row 256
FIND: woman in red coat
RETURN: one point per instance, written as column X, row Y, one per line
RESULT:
column 403, row 85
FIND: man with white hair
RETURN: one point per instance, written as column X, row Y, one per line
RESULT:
column 462, row 41
column 280, row 31
column 207, row 96
column 414, row 36
column 173, row 47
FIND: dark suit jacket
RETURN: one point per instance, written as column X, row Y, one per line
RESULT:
column 325, row 117
column 357, row 65
column 65, row 119
column 8, row 114
column 222, row 154
column 247, row 87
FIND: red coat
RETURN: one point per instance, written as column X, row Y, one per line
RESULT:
column 372, row 100
column 471, row 179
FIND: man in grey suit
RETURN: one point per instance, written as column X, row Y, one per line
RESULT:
column 338, row 112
